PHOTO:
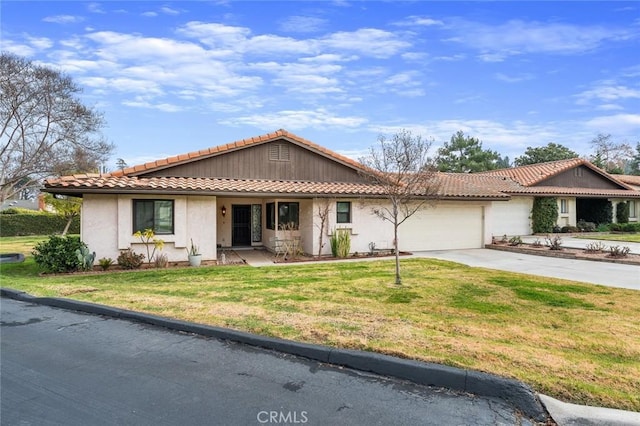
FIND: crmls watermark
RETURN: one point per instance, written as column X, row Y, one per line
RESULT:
column 282, row 417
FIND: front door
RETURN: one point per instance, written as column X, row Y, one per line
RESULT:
column 241, row 225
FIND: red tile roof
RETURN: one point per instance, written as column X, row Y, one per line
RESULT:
column 629, row 179
column 535, row 173
column 495, row 184
column 218, row 150
column 449, row 186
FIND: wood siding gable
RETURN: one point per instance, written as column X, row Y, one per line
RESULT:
column 274, row 160
column 580, row 177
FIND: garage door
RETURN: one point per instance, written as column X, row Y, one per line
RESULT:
column 442, row 228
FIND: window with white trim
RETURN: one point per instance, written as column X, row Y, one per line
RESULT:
column 633, row 212
column 343, row 212
column 564, row 206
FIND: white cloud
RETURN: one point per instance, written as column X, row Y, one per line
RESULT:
column 149, row 14
column 63, row 19
column 514, row 79
column 297, row 120
column 169, row 11
column 165, row 107
column 367, row 42
column 496, row 42
column 303, row 24
column 607, row 91
column 622, row 123
column 419, row 21
column 95, row 8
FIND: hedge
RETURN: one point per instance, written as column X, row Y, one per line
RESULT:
column 36, row 223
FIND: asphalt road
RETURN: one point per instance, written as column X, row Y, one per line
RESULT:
column 61, row 367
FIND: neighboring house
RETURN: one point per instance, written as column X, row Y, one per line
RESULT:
column 579, row 187
column 242, row 193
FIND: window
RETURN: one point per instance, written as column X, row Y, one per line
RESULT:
column 577, row 171
column 271, row 215
column 632, row 208
column 288, row 215
column 564, row 206
column 343, row 212
column 153, row 214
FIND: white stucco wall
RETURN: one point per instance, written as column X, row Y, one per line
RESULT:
column 568, row 218
column 511, row 217
column 447, row 225
column 107, row 225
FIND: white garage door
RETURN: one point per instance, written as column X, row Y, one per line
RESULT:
column 442, row 228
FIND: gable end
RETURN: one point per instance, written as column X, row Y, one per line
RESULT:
column 580, row 177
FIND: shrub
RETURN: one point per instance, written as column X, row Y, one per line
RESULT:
column 622, row 212
column 161, row 261
column 515, row 241
column 603, row 227
column 554, row 243
column 340, row 242
column 566, row 229
column 586, row 226
column 28, row 222
column 544, row 214
column 595, row 247
column 537, row 243
column 105, row 263
column 625, row 227
column 617, row 252
column 58, row 254
column 128, row 259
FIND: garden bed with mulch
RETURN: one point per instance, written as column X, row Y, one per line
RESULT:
column 566, row 253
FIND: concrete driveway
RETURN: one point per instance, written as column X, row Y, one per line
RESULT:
column 603, row 273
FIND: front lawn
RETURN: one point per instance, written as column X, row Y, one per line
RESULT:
column 573, row 341
column 630, row 238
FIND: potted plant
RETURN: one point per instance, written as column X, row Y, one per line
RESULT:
column 195, row 258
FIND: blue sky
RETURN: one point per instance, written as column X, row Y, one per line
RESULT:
column 173, row 77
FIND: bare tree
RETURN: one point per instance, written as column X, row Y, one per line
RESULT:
column 322, row 212
column 401, row 166
column 610, row 155
column 44, row 128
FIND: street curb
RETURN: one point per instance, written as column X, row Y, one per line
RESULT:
column 512, row 391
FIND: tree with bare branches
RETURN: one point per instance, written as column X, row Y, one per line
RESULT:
column 402, row 167
column 323, row 207
column 45, row 130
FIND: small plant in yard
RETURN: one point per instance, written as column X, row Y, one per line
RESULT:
column 595, row 247
column 340, row 242
column 618, row 252
column 148, row 238
column 161, row 261
column 105, row 263
column 515, row 241
column 85, row 258
column 554, row 243
column 128, row 259
column 537, row 243
column 372, row 248
column 504, row 239
column 193, row 249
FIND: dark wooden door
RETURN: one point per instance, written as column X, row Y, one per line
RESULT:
column 241, row 225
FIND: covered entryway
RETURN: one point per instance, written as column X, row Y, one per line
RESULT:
column 447, row 226
column 241, row 225
column 596, row 210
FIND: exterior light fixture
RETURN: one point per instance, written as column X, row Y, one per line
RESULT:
column 223, row 210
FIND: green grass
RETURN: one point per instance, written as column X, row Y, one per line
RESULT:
column 629, row 238
column 574, row 341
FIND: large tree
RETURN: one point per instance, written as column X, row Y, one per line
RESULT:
column 550, row 152
column 464, row 154
column 634, row 164
column 45, row 130
column 401, row 166
column 609, row 155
